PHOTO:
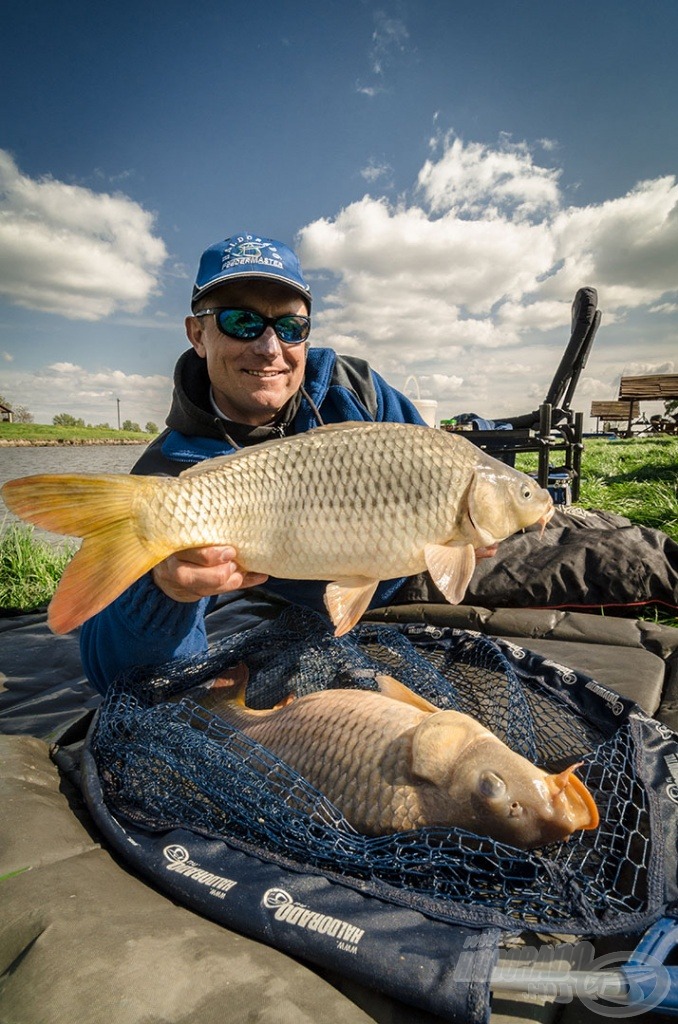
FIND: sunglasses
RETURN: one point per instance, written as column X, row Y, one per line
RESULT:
column 246, row 325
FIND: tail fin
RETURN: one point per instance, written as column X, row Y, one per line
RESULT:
column 113, row 554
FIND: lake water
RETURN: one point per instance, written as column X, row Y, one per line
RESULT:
column 96, row 458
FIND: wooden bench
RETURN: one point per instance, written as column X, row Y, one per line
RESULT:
column 614, row 412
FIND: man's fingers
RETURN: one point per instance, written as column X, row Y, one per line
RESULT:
column 213, row 555
column 202, row 572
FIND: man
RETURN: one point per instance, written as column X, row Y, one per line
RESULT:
column 249, row 376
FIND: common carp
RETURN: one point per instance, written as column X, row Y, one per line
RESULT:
column 391, row 761
column 353, row 504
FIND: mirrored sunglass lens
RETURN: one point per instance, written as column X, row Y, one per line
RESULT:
column 241, row 323
column 292, row 328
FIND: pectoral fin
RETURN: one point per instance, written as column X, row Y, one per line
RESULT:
column 347, row 599
column 451, row 568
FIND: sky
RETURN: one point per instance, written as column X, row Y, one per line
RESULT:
column 449, row 172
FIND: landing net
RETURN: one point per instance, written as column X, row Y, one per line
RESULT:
column 165, row 762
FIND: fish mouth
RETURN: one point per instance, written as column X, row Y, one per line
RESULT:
column 572, row 799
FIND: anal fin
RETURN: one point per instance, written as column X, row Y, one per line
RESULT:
column 451, row 567
column 347, row 599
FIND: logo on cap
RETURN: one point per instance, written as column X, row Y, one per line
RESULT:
column 251, row 250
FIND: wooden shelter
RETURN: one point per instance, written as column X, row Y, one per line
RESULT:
column 657, row 387
column 6, row 414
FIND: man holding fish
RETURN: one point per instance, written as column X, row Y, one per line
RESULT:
column 333, row 518
column 241, row 491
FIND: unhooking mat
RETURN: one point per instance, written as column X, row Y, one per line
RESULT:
column 226, row 828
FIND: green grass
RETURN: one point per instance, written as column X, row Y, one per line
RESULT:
column 635, row 478
column 30, row 568
column 42, row 432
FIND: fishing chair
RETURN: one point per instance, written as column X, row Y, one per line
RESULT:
column 554, row 426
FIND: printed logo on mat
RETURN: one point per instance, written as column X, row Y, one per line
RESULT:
column 180, row 863
column 298, row 914
column 672, row 786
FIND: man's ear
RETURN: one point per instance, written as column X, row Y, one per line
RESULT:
column 194, row 333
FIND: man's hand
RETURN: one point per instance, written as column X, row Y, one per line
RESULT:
column 202, row 572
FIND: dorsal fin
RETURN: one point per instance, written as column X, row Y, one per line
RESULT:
column 390, row 687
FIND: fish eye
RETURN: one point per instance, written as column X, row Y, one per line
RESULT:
column 491, row 785
column 526, row 492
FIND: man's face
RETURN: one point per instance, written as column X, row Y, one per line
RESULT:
column 251, row 380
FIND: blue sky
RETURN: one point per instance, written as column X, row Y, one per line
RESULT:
column 450, row 172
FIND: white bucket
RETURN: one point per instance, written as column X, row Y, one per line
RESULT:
column 428, row 410
column 426, row 407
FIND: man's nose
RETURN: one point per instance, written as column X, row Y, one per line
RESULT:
column 267, row 343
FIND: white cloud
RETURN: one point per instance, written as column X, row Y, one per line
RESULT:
column 468, row 281
column 668, row 308
column 389, row 39
column 472, row 178
column 373, row 171
column 68, row 250
column 90, row 395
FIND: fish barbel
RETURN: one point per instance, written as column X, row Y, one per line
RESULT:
column 352, row 504
column 391, row 761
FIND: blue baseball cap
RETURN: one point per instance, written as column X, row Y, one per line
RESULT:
column 249, row 256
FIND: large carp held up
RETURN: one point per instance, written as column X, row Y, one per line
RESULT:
column 351, row 503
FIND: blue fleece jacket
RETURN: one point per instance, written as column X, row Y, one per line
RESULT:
column 144, row 627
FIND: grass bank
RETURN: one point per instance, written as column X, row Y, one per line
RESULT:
column 42, row 433
column 30, row 568
column 636, row 478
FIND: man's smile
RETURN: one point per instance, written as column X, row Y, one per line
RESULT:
column 265, row 373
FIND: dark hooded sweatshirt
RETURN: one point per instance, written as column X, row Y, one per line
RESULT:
column 144, row 627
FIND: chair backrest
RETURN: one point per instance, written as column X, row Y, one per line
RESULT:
column 585, row 322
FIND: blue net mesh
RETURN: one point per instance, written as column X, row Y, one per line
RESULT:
column 165, row 762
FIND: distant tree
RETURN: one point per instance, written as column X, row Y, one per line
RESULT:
column 64, row 419
column 151, row 427
column 22, row 415
column 670, row 406
column 129, row 425
column 102, row 426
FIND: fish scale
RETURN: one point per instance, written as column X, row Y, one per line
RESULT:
column 364, row 771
